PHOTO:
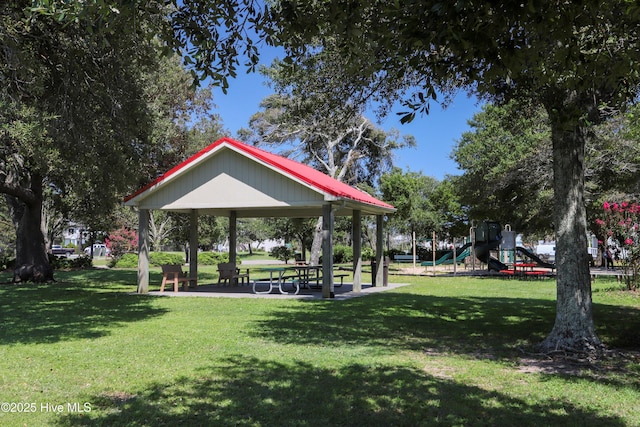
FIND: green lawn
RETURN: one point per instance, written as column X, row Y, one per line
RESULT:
column 442, row 352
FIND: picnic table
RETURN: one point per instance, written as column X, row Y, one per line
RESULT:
column 527, row 269
column 301, row 277
column 278, row 281
column 310, row 277
column 525, row 265
column 307, row 274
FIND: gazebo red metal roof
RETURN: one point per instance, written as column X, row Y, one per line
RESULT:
column 288, row 167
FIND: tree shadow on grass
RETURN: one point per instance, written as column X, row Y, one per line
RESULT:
column 250, row 392
column 401, row 321
column 48, row 313
column 434, row 323
column 500, row 329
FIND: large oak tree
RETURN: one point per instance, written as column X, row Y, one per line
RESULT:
column 578, row 59
column 80, row 111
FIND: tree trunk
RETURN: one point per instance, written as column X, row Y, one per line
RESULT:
column 316, row 246
column 32, row 261
column 574, row 327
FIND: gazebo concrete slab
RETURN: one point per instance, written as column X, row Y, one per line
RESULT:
column 214, row 291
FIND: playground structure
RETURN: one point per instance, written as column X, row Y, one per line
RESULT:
column 489, row 238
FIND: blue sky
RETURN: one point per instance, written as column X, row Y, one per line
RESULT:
column 435, row 133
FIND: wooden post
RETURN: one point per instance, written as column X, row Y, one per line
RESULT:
column 193, row 244
column 379, row 251
column 455, row 261
column 433, row 252
column 356, row 236
column 233, row 236
column 143, row 251
column 413, row 245
column 327, row 251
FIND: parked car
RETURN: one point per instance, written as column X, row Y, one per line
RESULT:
column 59, row 250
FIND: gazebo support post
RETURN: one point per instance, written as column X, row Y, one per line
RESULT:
column 143, row 251
column 379, row 251
column 193, row 244
column 356, row 237
column 327, row 251
column 233, row 236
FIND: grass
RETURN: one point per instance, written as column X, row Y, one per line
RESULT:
column 441, row 352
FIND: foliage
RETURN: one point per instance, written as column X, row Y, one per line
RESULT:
column 392, row 252
column 506, row 156
column 451, row 208
column 6, row 262
column 72, row 116
column 282, row 253
column 126, row 260
column 121, row 241
column 299, row 230
column 156, row 259
column 159, row 258
column 342, row 254
column 253, row 230
column 620, row 223
column 338, row 141
column 90, row 110
column 367, row 254
column 411, row 194
column 7, row 230
column 214, row 258
column 79, row 262
column 212, row 36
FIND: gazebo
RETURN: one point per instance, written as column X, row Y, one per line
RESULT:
column 232, row 179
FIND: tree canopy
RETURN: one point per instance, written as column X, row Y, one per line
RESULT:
column 81, row 98
column 507, row 172
column 506, row 161
column 411, row 193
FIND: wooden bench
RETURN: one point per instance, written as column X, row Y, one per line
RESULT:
column 173, row 273
column 228, row 273
column 404, row 258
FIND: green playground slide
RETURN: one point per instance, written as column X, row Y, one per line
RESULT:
column 447, row 258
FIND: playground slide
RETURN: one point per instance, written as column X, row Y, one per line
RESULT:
column 461, row 252
column 534, row 257
column 482, row 253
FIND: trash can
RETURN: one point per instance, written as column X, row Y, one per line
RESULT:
column 385, row 271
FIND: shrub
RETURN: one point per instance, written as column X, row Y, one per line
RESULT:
column 83, row 261
column 128, row 260
column 121, row 241
column 342, row 254
column 59, row 263
column 213, row 258
column 283, row 253
column 6, row 262
column 367, row 254
column 159, row 258
column 620, row 224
